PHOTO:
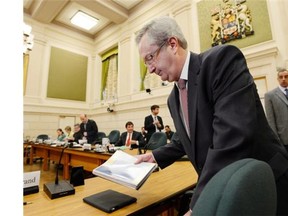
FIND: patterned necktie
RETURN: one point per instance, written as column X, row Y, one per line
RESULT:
column 156, row 128
column 286, row 93
column 128, row 140
column 184, row 100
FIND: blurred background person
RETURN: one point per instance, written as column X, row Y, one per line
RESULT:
column 88, row 128
column 60, row 135
column 69, row 132
column 276, row 107
column 131, row 138
column 153, row 123
column 77, row 135
column 144, row 134
column 169, row 133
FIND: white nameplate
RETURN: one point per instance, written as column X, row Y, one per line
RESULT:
column 31, row 179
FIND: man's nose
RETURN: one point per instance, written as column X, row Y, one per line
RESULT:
column 151, row 68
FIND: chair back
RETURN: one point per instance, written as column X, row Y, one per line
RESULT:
column 157, row 140
column 245, row 187
column 114, row 136
column 42, row 137
column 100, row 135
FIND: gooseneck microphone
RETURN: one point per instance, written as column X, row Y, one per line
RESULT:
column 57, row 170
column 58, row 188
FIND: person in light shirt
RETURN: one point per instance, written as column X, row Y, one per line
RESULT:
column 60, row 135
column 69, row 132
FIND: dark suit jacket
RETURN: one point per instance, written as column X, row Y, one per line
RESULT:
column 150, row 127
column 276, row 106
column 135, row 136
column 226, row 119
column 77, row 136
column 91, row 129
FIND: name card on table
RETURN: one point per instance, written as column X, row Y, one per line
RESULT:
column 31, row 182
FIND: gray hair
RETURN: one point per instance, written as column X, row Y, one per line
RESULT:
column 281, row 69
column 161, row 29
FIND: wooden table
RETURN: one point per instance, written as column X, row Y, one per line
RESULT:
column 159, row 192
column 71, row 157
column 26, row 150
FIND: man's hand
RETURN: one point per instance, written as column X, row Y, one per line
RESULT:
column 145, row 158
column 188, row 213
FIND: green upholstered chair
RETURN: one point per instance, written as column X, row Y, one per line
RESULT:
column 245, row 187
column 100, row 135
column 114, row 136
column 42, row 137
column 157, row 139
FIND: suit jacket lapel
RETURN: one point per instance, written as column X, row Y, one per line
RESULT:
column 194, row 69
column 174, row 106
column 281, row 95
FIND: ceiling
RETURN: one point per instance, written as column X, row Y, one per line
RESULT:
column 59, row 12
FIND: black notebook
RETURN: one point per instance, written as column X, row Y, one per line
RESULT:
column 109, row 200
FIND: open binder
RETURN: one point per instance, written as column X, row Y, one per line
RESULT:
column 121, row 168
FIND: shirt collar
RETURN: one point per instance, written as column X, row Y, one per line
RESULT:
column 184, row 72
column 282, row 89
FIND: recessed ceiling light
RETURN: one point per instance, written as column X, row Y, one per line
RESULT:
column 84, row 20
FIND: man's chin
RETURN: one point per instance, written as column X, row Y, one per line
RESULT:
column 164, row 78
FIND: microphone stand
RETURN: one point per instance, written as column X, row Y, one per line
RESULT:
column 57, row 170
column 58, row 188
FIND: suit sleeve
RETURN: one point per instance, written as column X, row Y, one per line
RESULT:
column 120, row 141
column 234, row 100
column 161, row 122
column 94, row 131
column 148, row 123
column 270, row 112
column 140, row 139
column 168, row 154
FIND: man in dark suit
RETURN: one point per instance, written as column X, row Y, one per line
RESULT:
column 153, row 123
column 131, row 138
column 169, row 133
column 221, row 119
column 88, row 128
column 276, row 106
column 77, row 135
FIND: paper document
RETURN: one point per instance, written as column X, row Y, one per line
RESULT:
column 120, row 168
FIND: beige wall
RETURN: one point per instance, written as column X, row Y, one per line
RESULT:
column 42, row 115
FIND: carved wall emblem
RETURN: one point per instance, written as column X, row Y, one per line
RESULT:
column 230, row 21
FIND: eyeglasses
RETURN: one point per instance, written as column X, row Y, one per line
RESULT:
column 150, row 58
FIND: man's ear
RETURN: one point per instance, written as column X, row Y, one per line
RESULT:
column 173, row 43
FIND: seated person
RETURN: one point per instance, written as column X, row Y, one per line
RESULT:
column 144, row 133
column 60, row 135
column 168, row 133
column 69, row 133
column 77, row 135
column 131, row 138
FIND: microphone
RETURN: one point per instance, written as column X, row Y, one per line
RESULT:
column 58, row 188
column 57, row 170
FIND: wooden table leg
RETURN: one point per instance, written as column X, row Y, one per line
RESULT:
column 31, row 155
column 65, row 162
column 45, row 159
